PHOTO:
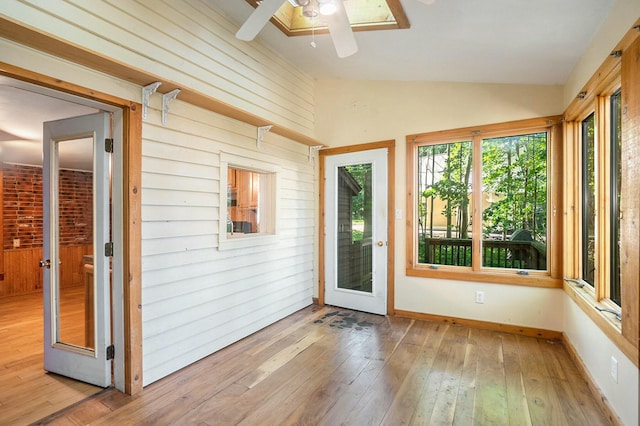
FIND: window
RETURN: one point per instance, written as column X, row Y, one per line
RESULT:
column 603, row 252
column 243, row 201
column 248, row 201
column 588, row 200
column 444, row 188
column 481, row 200
column 600, row 199
column 514, row 216
column 616, row 181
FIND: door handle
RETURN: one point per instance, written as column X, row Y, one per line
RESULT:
column 45, row 263
column 380, row 243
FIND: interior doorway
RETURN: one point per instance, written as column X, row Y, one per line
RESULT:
column 28, row 392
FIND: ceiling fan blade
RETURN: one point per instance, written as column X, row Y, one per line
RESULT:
column 340, row 29
column 258, row 19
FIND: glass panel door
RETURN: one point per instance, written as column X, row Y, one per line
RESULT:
column 356, row 231
column 76, row 230
column 354, row 218
column 73, row 285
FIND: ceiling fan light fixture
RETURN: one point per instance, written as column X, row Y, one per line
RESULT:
column 309, row 10
column 327, row 7
column 302, row 3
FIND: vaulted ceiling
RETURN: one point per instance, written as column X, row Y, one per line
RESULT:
column 489, row 41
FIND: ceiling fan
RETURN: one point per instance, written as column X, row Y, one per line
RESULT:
column 333, row 13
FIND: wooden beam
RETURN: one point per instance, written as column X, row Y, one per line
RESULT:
column 630, row 196
column 132, row 280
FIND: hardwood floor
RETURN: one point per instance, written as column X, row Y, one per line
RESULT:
column 27, row 392
column 329, row 366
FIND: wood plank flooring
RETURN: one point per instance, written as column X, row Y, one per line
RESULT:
column 330, row 366
column 27, row 392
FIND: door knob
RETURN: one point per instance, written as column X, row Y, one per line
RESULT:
column 45, row 263
column 380, row 243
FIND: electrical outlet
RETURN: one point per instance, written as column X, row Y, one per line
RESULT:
column 614, row 369
column 16, row 242
column 479, row 296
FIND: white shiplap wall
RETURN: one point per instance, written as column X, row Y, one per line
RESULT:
column 197, row 298
column 183, row 41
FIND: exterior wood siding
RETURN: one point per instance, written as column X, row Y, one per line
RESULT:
column 197, row 298
column 186, row 42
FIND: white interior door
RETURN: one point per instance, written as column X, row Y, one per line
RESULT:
column 356, row 230
column 75, row 268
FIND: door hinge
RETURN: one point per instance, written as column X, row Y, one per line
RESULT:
column 111, row 352
column 108, row 249
column 108, row 145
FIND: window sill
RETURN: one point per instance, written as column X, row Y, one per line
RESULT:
column 237, row 241
column 534, row 279
column 585, row 298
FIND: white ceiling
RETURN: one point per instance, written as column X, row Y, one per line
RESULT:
column 22, row 112
column 487, row 41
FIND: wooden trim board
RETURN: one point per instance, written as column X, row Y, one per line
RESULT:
column 485, row 325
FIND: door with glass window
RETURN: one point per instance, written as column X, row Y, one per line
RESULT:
column 76, row 262
column 356, row 230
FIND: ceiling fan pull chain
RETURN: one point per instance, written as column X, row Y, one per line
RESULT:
column 313, row 30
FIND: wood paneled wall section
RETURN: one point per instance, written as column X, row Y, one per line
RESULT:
column 23, row 274
column 630, row 200
column 1, row 236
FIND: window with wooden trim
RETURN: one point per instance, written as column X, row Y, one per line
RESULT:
column 611, row 95
column 478, row 203
column 615, row 194
column 248, row 201
column 600, row 201
column 588, row 200
column 244, row 201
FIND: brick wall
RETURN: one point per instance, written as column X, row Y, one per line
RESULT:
column 22, row 207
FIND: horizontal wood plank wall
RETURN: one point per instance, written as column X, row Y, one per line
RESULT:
column 23, row 274
column 185, row 42
column 196, row 298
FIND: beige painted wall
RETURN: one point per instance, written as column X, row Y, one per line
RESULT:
column 352, row 112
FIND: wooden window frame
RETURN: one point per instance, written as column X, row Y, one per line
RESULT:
column 268, row 200
column 550, row 278
column 617, row 72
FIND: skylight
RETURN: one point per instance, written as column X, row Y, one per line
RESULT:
column 364, row 15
